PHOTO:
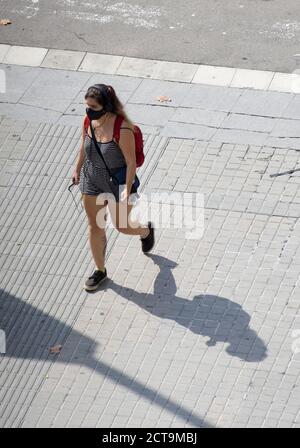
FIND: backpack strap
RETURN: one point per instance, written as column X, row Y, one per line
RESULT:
column 117, row 126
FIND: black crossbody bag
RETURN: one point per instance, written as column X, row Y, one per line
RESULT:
column 119, row 177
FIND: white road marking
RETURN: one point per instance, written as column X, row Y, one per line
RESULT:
column 105, row 11
column 101, row 11
column 283, row 30
column 29, row 8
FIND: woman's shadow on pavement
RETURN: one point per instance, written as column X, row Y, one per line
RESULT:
column 208, row 315
column 30, row 332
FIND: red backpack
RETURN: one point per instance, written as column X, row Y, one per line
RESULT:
column 138, row 137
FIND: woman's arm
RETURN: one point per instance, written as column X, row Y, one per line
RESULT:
column 127, row 145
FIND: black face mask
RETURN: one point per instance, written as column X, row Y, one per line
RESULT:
column 95, row 114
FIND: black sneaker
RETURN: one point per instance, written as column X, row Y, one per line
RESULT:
column 148, row 242
column 95, row 280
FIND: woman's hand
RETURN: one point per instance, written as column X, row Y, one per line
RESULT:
column 76, row 176
column 124, row 194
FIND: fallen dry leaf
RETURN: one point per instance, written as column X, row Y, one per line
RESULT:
column 162, row 98
column 55, row 349
column 5, row 21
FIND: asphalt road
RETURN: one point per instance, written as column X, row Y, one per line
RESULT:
column 256, row 34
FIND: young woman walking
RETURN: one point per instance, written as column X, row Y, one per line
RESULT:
column 93, row 177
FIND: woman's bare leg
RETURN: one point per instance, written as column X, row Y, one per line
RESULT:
column 96, row 214
column 120, row 214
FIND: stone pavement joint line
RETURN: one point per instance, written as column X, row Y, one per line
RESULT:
column 199, row 333
column 148, row 68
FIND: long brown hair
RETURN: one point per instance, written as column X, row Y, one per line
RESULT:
column 106, row 96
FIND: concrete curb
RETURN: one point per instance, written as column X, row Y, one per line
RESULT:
column 149, row 68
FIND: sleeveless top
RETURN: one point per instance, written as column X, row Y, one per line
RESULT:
column 94, row 177
column 111, row 152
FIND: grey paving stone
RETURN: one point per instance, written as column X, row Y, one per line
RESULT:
column 187, row 130
column 211, row 98
column 249, row 123
column 196, row 116
column 286, row 128
column 150, row 89
column 33, row 113
column 292, row 109
column 18, row 80
column 239, row 136
column 150, row 115
column 126, row 85
column 262, row 103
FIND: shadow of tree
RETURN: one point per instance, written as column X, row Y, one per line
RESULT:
column 30, row 332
